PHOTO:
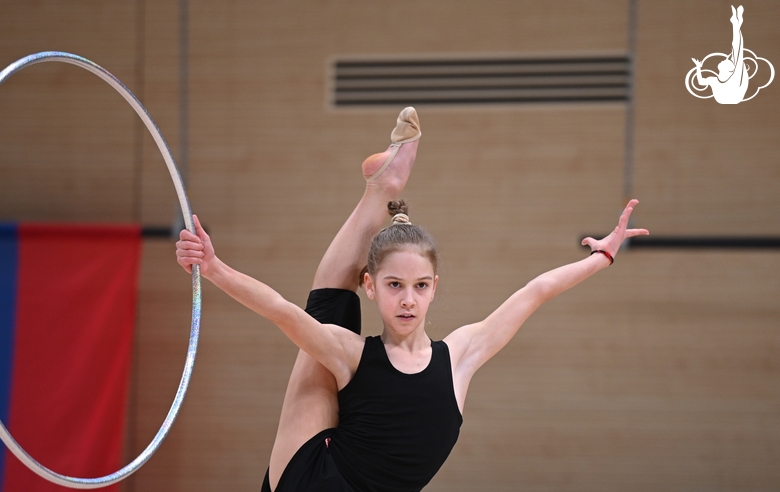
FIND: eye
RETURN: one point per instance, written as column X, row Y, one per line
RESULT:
column 394, row 284
column 422, row 285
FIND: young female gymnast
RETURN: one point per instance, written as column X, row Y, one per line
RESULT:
column 380, row 413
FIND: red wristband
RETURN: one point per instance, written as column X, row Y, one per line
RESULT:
column 609, row 256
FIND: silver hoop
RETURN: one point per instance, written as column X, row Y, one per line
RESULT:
column 133, row 466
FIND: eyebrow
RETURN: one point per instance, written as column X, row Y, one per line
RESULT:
column 393, row 277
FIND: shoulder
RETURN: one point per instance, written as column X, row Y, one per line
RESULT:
column 373, row 342
column 459, row 340
column 370, row 347
column 440, row 346
column 441, row 351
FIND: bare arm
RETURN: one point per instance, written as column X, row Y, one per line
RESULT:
column 701, row 80
column 473, row 345
column 337, row 349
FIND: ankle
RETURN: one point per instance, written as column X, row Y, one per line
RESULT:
column 384, row 191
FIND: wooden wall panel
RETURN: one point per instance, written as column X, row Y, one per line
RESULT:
column 660, row 373
column 159, row 49
column 652, row 376
column 67, row 141
column 705, row 168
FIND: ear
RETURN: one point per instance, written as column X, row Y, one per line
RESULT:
column 435, row 283
column 368, row 285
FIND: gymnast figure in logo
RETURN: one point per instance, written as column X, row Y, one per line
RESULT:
column 731, row 84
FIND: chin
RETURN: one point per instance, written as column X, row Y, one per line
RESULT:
column 403, row 328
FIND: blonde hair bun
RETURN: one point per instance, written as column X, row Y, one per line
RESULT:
column 399, row 210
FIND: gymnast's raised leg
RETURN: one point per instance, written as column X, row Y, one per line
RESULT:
column 310, row 403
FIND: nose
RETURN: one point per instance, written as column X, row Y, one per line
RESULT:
column 407, row 300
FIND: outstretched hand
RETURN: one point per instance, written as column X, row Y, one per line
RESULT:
column 192, row 249
column 611, row 244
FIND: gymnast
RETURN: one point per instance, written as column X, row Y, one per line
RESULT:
column 380, row 413
column 731, row 84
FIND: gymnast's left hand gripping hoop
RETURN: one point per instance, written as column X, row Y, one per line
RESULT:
column 133, row 466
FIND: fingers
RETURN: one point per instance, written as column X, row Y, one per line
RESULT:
column 589, row 241
column 188, row 240
column 199, row 228
column 187, row 263
column 190, row 252
column 637, row 232
column 189, row 245
column 186, row 235
column 626, row 215
column 188, row 258
column 630, row 206
column 613, row 241
column 199, row 235
column 190, row 248
column 624, row 218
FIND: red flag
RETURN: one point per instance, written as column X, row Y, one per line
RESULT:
column 75, row 314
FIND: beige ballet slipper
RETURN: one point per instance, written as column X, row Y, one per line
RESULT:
column 407, row 129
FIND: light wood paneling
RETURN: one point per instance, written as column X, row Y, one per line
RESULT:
column 66, row 139
column 660, row 373
column 703, row 167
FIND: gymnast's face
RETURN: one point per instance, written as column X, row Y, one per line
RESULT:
column 403, row 287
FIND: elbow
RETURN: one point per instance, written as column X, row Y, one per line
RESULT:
column 281, row 312
column 540, row 290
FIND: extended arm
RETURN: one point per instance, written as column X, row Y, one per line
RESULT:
column 704, row 82
column 335, row 348
column 473, row 345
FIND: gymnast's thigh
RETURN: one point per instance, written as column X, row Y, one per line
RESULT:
column 336, row 307
column 310, row 403
column 311, row 469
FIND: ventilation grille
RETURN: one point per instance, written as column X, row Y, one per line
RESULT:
column 480, row 81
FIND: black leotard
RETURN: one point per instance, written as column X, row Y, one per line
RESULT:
column 395, row 429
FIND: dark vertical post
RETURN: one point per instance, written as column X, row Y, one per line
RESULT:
column 139, row 130
column 628, row 166
column 184, row 103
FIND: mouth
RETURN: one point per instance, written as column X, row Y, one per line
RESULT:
column 405, row 317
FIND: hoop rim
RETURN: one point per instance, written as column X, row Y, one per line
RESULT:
column 143, row 457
